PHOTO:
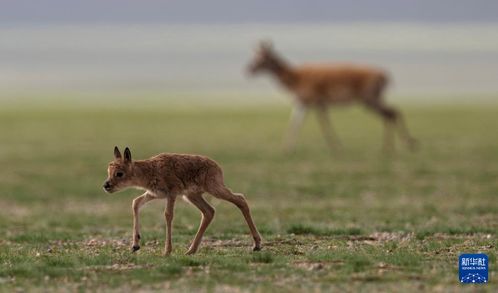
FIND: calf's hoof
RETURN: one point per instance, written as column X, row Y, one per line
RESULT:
column 135, row 248
column 256, row 248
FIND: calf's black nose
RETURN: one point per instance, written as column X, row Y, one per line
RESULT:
column 107, row 185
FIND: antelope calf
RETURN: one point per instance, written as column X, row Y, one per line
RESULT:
column 166, row 176
column 319, row 86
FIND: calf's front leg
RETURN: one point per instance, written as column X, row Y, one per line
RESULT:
column 136, row 205
column 168, row 216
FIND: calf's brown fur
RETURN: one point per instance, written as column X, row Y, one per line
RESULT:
column 168, row 175
column 319, row 86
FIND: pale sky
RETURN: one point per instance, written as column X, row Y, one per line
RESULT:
column 427, row 45
column 14, row 12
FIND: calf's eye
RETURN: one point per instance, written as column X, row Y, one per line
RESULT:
column 119, row 174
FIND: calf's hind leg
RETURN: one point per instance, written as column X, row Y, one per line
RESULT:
column 207, row 216
column 239, row 200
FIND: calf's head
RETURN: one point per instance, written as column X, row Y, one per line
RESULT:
column 119, row 171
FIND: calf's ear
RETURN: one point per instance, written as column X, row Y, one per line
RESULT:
column 127, row 155
column 117, row 153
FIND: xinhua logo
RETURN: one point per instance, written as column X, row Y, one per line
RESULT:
column 473, row 268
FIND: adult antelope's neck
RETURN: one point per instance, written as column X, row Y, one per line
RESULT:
column 283, row 72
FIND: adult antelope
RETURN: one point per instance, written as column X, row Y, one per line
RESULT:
column 319, row 86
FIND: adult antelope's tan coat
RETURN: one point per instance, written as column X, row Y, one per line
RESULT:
column 318, row 86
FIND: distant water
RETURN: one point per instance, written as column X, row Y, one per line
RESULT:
column 444, row 58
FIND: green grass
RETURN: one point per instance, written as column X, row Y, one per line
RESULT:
column 355, row 219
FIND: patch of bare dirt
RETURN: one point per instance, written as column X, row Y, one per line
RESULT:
column 381, row 237
column 225, row 243
column 96, row 242
column 316, row 266
column 383, row 268
column 14, row 210
column 279, row 242
column 89, row 245
column 120, row 267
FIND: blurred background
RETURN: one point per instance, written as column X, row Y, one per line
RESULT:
column 126, row 47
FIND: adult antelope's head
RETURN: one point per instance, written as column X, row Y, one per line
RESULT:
column 119, row 172
column 264, row 59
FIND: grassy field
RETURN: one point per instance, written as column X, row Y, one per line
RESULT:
column 353, row 220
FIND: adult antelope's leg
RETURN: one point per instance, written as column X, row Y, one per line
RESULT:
column 327, row 130
column 207, row 212
column 296, row 121
column 389, row 116
column 405, row 134
column 239, row 200
column 393, row 118
column 136, row 205
column 168, row 216
column 388, row 144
